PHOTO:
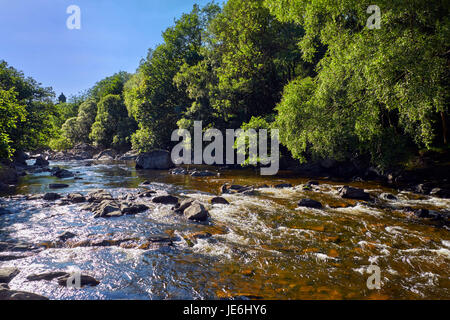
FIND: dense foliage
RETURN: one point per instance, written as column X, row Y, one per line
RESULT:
column 26, row 112
column 312, row 68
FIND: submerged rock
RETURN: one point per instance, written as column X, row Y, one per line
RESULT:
column 157, row 159
column 58, row 185
column 205, row 173
column 353, row 193
column 310, row 203
column 4, row 211
column 180, row 171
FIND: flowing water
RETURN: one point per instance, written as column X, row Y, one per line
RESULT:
column 262, row 246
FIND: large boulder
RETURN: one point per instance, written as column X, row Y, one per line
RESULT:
column 196, row 212
column 157, row 159
column 7, row 274
column 353, row 193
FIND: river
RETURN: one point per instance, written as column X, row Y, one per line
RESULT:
column 259, row 246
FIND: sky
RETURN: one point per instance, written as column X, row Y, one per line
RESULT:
column 114, row 36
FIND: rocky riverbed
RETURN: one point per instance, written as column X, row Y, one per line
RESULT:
column 191, row 233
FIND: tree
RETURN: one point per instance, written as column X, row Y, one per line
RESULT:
column 376, row 90
column 87, row 113
column 12, row 113
column 151, row 96
column 112, row 126
column 33, row 127
column 110, row 85
column 62, row 98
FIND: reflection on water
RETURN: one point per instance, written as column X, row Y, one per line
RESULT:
column 262, row 246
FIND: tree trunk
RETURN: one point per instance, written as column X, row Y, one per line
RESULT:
column 444, row 127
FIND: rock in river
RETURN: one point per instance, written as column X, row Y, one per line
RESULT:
column 196, row 212
column 353, row 193
column 76, row 198
column 51, row 196
column 309, row 203
column 85, row 280
column 6, row 294
column 7, row 274
column 179, row 208
column 48, row 276
column 66, row 235
column 219, row 200
column 58, row 185
column 166, row 199
column 133, row 208
column 157, row 159
column 41, row 162
column 61, row 173
column 388, row 196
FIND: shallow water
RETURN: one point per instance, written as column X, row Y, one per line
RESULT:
column 262, row 246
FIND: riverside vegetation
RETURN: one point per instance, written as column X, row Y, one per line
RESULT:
column 361, row 111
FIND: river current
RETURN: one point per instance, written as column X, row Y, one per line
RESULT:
column 260, row 246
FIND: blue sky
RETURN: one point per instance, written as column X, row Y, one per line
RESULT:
column 114, row 36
